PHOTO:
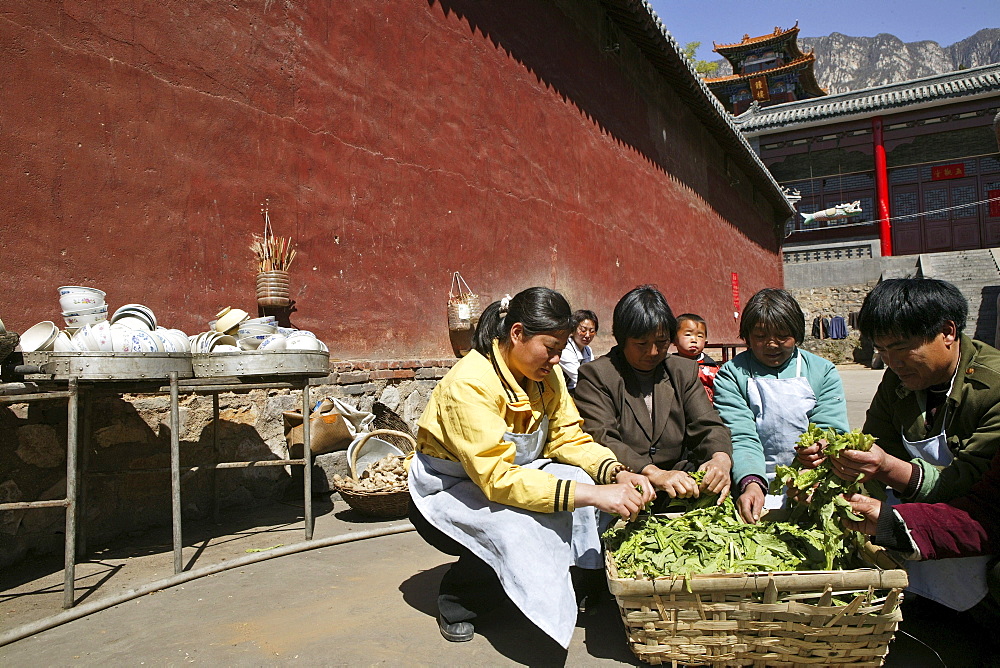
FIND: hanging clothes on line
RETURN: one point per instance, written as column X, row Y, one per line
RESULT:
column 838, row 328
column 821, row 327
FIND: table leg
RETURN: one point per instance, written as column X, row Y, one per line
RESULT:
column 215, row 449
column 84, row 465
column 175, row 471
column 307, row 459
column 69, row 579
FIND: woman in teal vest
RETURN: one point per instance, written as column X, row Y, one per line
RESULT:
column 768, row 395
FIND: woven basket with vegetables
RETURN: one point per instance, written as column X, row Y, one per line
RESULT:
column 381, row 490
column 704, row 588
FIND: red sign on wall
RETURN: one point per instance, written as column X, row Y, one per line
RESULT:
column 994, row 197
column 758, row 88
column 736, row 295
column 942, row 172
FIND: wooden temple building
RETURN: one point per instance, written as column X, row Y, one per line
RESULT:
column 769, row 69
column 921, row 162
column 920, row 156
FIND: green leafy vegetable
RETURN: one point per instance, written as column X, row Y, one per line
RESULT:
column 711, row 538
column 824, row 490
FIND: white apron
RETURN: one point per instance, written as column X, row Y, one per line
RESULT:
column 781, row 410
column 957, row 583
column 530, row 552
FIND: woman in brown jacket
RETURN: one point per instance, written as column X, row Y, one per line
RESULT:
column 649, row 407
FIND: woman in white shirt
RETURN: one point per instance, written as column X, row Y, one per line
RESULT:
column 577, row 349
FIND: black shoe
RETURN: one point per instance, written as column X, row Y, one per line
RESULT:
column 591, row 588
column 457, row 632
column 591, row 601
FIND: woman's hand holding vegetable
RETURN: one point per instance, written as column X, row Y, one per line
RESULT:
column 622, row 498
column 677, row 484
column 751, row 503
column 640, row 482
column 868, row 508
column 717, row 475
column 875, row 463
column 812, row 456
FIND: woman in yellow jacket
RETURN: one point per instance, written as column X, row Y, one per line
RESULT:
column 505, row 478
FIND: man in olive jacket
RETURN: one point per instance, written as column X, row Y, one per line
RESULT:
column 936, row 413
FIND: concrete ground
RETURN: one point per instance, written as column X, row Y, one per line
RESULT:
column 365, row 603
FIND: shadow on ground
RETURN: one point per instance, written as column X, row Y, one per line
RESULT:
column 280, row 522
column 933, row 635
column 512, row 635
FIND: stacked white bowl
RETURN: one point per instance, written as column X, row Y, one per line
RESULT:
column 82, row 306
column 260, row 334
column 301, row 339
column 131, row 329
column 255, row 333
column 135, row 316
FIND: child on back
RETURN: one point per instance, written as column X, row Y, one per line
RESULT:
column 692, row 334
column 768, row 395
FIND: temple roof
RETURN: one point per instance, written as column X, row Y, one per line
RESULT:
column 807, row 77
column 748, row 42
column 804, row 62
column 926, row 91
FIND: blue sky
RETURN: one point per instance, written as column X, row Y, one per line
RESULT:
column 726, row 21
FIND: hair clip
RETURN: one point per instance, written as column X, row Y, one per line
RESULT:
column 504, row 305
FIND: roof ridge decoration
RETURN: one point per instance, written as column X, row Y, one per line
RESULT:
column 747, row 40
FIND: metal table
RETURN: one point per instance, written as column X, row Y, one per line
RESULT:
column 215, row 386
column 64, row 384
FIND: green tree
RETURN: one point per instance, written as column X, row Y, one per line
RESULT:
column 702, row 67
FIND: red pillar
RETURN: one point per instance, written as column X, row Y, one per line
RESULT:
column 881, row 187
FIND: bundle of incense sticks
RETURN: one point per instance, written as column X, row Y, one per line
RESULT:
column 273, row 253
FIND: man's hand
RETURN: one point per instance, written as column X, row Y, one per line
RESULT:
column 717, row 477
column 751, row 503
column 677, row 484
column 810, row 457
column 640, row 482
column 851, row 463
column 868, row 508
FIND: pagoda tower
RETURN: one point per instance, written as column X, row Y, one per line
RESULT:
column 769, row 69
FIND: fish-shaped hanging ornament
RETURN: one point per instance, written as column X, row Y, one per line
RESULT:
column 834, row 213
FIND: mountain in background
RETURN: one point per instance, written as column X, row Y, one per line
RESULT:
column 846, row 63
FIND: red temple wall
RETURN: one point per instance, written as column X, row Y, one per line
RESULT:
column 396, row 142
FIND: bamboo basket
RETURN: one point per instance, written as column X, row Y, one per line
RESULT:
column 390, row 504
column 464, row 308
column 763, row 619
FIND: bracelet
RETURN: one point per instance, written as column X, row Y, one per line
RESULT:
column 615, row 470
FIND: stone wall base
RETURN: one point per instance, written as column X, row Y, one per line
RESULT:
column 832, row 300
column 131, row 434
